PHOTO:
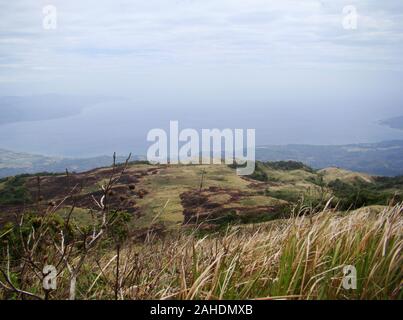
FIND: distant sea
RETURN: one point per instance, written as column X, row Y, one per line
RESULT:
column 122, row 126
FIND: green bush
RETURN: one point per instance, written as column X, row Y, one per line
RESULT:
column 259, row 174
column 359, row 194
column 288, row 165
column 14, row 191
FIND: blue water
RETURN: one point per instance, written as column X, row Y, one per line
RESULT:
column 122, row 126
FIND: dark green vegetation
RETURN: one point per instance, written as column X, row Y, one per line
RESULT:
column 348, row 190
column 259, row 173
column 359, row 194
column 288, row 165
column 13, row 191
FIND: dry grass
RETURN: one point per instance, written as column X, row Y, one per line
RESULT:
column 331, row 174
column 298, row 258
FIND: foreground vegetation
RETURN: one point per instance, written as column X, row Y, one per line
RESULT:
column 297, row 258
column 137, row 231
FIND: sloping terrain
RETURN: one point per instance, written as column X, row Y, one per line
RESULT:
column 202, row 232
column 331, row 174
column 171, row 195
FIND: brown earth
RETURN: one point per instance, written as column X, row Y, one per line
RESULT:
column 200, row 207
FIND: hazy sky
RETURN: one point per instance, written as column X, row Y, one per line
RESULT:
column 286, row 67
column 201, row 48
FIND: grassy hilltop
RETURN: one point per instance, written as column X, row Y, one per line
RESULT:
column 144, row 190
column 164, row 231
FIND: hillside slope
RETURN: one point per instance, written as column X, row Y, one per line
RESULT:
column 178, row 194
column 201, row 232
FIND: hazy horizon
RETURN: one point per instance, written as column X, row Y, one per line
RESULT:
column 288, row 68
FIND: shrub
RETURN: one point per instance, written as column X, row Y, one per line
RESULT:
column 14, row 191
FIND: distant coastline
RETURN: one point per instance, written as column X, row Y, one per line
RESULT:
column 380, row 159
column 395, row 123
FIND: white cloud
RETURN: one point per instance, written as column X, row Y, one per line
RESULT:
column 125, row 39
